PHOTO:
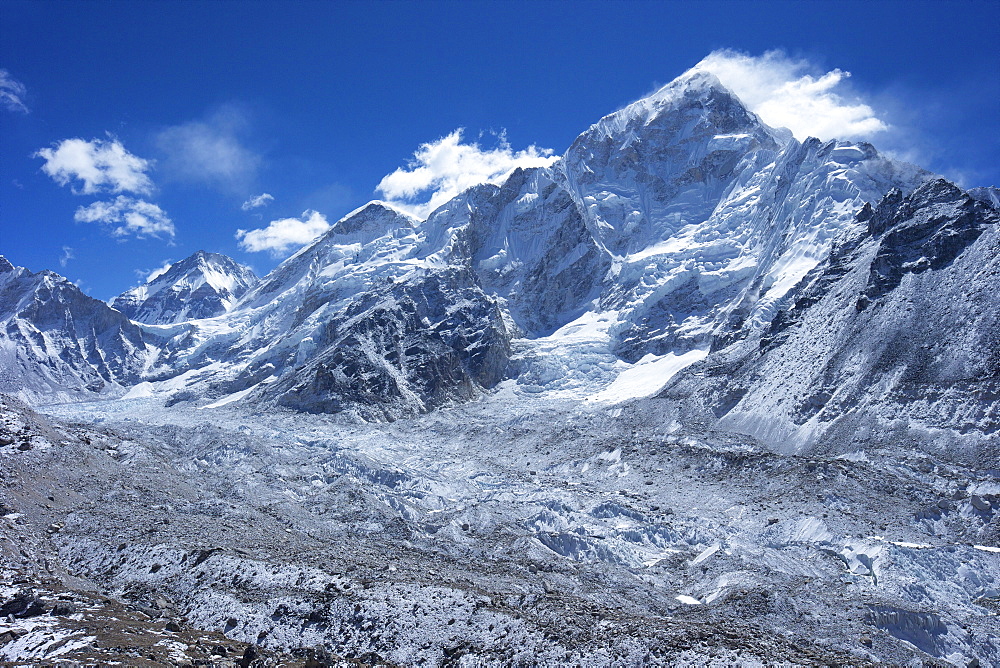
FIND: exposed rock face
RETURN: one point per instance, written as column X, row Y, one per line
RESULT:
column 203, row 285
column 58, row 344
column 897, row 330
column 528, row 242
column 990, row 195
column 412, row 346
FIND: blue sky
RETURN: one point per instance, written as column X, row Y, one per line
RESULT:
column 187, row 111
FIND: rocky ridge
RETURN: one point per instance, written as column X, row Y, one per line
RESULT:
column 894, row 334
column 58, row 344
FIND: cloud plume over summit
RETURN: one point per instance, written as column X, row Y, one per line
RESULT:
column 796, row 94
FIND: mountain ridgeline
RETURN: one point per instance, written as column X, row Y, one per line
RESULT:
column 825, row 288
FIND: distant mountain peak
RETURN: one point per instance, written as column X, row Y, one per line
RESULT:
column 202, row 285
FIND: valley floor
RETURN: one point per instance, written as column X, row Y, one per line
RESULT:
column 528, row 532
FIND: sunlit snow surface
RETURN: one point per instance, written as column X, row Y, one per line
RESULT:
column 481, row 514
column 646, row 376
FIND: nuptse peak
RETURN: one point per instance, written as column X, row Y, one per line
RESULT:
column 679, row 230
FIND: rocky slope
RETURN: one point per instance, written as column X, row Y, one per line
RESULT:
column 894, row 335
column 356, row 321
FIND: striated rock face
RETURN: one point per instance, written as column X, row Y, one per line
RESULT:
column 58, row 344
column 897, row 331
column 201, row 286
column 403, row 348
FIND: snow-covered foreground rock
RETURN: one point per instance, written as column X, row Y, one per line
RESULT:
column 495, row 533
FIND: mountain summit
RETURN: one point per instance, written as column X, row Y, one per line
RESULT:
column 203, row 285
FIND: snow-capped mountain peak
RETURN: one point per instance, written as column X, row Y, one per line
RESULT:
column 697, row 98
column 58, row 344
column 203, row 285
column 372, row 220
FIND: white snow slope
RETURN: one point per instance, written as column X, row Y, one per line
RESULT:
column 200, row 286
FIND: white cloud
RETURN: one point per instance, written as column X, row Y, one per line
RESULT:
column 285, row 234
column 795, row 94
column 128, row 216
column 254, row 202
column 12, row 93
column 101, row 165
column 67, row 255
column 444, row 168
column 210, row 151
column 156, row 273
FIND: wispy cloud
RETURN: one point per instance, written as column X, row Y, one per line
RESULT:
column 284, row 234
column 156, row 273
column 12, row 93
column 258, row 201
column 67, row 255
column 127, row 216
column 795, row 94
column 101, row 165
column 445, row 167
column 210, row 151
